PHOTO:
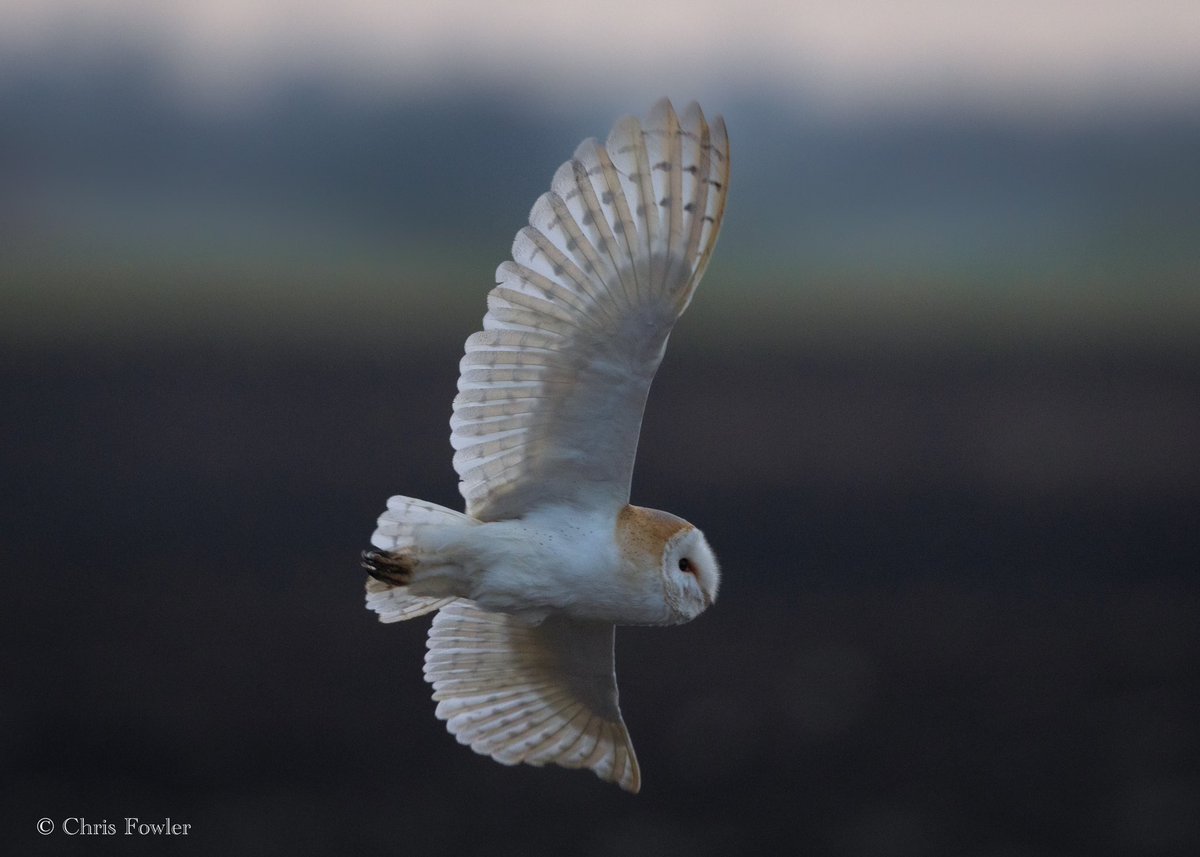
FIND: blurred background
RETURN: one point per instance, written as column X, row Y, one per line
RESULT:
column 936, row 406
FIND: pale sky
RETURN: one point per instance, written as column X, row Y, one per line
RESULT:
column 849, row 51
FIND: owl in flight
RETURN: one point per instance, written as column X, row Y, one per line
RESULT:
column 550, row 556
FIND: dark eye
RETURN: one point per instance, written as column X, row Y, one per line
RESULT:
column 685, row 564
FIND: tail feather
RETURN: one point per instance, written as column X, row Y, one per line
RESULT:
column 396, row 533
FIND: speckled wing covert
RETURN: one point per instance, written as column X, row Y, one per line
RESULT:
column 536, row 694
column 552, row 390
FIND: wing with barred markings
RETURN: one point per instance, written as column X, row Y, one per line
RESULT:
column 538, row 694
column 552, row 390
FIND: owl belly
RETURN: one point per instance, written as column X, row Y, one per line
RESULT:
column 557, row 563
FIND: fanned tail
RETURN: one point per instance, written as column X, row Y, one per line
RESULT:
column 395, row 533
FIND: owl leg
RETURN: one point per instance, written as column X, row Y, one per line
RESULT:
column 395, row 569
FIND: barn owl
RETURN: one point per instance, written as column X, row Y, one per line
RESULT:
column 549, row 556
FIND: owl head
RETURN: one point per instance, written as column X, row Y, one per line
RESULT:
column 673, row 562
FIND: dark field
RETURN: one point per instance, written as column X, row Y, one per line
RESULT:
column 959, row 614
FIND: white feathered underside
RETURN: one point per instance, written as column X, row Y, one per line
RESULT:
column 543, row 694
column 552, row 390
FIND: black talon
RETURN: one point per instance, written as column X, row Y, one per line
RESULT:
column 370, row 560
column 389, row 568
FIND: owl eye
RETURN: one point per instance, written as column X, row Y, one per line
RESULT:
column 685, row 564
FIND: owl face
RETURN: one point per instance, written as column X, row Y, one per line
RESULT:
column 690, row 574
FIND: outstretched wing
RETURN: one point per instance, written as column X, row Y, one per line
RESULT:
column 552, row 390
column 544, row 694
